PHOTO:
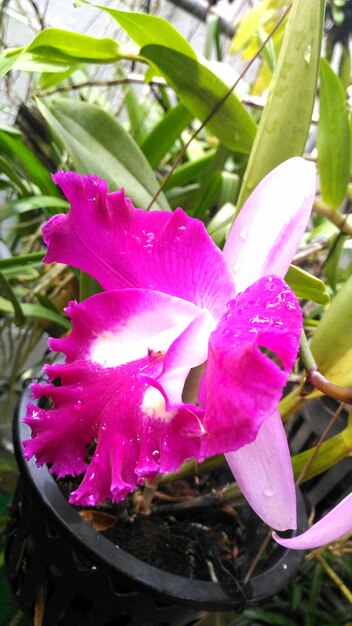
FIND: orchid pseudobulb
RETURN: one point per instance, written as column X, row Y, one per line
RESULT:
column 172, row 301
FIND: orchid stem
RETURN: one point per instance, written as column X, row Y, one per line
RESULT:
column 219, row 497
column 315, row 379
column 305, row 354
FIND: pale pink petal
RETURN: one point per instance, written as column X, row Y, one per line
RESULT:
column 120, row 246
column 244, row 385
column 118, row 326
column 117, row 345
column 271, row 223
column 263, row 471
column 189, row 350
column 335, row 524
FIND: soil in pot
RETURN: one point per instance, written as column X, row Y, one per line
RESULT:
column 189, row 531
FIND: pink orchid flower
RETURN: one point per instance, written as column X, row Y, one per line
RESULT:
column 171, row 302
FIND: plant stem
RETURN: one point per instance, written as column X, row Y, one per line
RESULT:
column 341, row 221
column 334, row 577
column 316, row 449
column 315, row 379
column 305, row 354
column 219, row 497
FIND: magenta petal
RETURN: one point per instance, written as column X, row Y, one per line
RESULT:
column 109, row 393
column 263, row 471
column 243, row 385
column 104, row 235
column 335, row 524
column 271, row 223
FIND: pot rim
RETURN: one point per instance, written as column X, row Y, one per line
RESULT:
column 191, row 592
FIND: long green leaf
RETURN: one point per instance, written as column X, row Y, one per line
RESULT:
column 284, row 125
column 220, row 224
column 7, row 290
column 190, row 171
column 332, row 342
column 36, row 310
column 21, row 260
column 14, row 146
column 136, row 114
column 147, row 29
column 8, row 60
column 209, row 182
column 333, row 139
column 163, row 136
column 332, row 264
column 59, row 44
column 201, row 91
column 58, row 50
column 46, row 203
column 98, row 144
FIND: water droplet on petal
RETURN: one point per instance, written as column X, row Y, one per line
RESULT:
column 243, row 233
column 156, row 456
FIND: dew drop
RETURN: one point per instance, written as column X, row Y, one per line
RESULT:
column 308, row 54
column 243, row 233
column 269, row 493
column 156, row 455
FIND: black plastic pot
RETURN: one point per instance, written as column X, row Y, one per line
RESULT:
column 53, row 556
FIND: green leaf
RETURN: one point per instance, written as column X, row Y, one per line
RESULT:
column 345, row 65
column 22, row 266
column 220, row 224
column 284, row 125
column 136, row 114
column 6, row 289
column 7, row 168
column 249, row 25
column 88, row 286
column 190, row 171
column 46, row 203
column 208, row 195
column 58, row 50
column 211, row 182
column 21, row 260
column 212, row 36
column 14, row 146
column 332, row 263
column 147, row 29
column 32, row 62
column 36, row 310
column 51, row 79
column 98, row 144
column 58, row 45
column 8, row 59
column 182, row 197
column 201, row 91
column 332, row 342
column 333, row 140
column 163, row 136
column 307, row 286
